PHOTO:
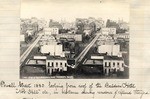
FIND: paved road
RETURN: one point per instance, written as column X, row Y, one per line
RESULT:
column 26, row 53
column 87, row 48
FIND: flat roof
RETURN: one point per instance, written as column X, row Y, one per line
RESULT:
column 92, row 62
column 56, row 58
column 112, row 58
column 98, row 54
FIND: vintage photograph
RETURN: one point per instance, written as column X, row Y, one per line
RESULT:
column 74, row 39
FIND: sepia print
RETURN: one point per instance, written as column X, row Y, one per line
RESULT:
column 74, row 39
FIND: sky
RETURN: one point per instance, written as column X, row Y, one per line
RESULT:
column 70, row 9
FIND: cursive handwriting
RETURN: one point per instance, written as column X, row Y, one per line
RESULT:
column 114, row 90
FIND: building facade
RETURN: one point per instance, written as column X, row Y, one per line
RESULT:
column 113, row 50
column 76, row 37
column 55, row 24
column 51, row 31
column 108, row 31
column 55, row 64
column 52, row 49
column 112, row 64
column 122, row 35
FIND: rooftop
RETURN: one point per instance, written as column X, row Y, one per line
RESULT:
column 112, row 58
column 122, row 34
column 55, row 58
column 93, row 62
column 98, row 54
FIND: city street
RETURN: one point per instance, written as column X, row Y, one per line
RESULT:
column 27, row 52
column 84, row 48
column 87, row 48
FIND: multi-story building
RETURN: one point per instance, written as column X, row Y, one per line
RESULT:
column 123, row 25
column 76, row 37
column 122, row 35
column 113, row 64
column 55, row 64
column 53, row 49
column 51, row 31
column 55, row 24
column 67, row 25
column 108, row 31
column 113, row 50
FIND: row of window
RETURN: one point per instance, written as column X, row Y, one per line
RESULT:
column 109, row 64
column 54, row 70
column 110, row 70
column 57, row 64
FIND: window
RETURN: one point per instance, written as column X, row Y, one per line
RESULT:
column 56, row 64
column 109, row 63
column 65, row 64
column 114, row 64
column 118, row 64
column 109, row 70
column 105, row 63
column 52, row 64
column 58, row 70
column 60, row 64
column 122, row 64
column 48, row 64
